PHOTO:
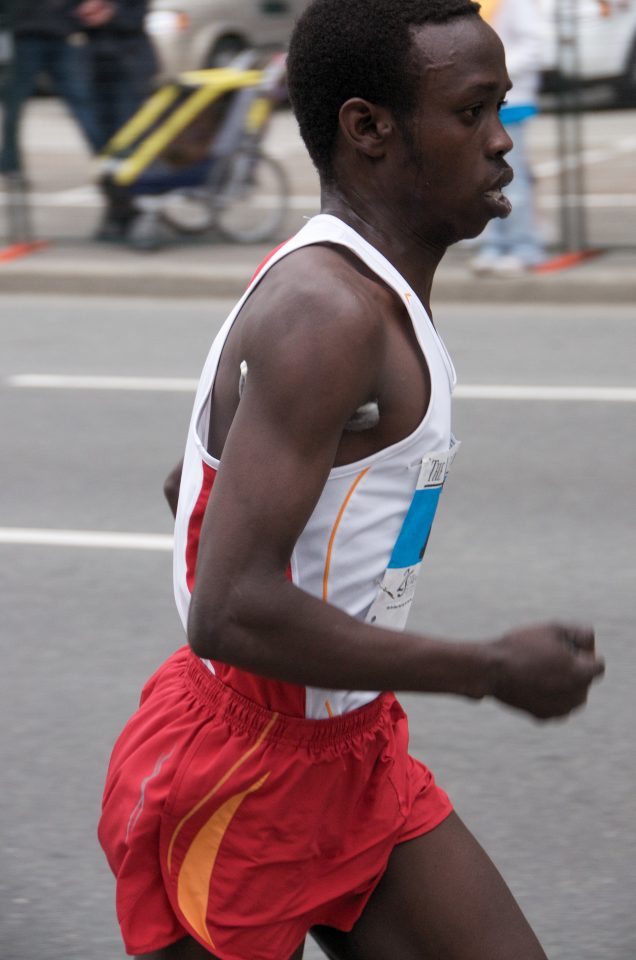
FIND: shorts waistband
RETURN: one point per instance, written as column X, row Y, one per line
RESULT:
column 252, row 718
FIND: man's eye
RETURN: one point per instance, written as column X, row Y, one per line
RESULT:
column 474, row 111
column 502, row 103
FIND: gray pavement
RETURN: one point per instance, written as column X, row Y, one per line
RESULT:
column 65, row 209
column 536, row 523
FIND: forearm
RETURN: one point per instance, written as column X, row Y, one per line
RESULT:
column 284, row 633
column 272, row 628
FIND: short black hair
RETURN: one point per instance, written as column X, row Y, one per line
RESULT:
column 355, row 48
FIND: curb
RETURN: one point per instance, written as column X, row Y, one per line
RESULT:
column 113, row 285
column 225, row 272
column 604, row 289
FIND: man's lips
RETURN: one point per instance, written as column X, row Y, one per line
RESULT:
column 495, row 196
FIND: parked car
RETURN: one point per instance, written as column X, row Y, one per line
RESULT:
column 192, row 34
column 604, row 34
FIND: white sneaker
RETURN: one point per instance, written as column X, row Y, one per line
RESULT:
column 509, row 266
column 484, row 263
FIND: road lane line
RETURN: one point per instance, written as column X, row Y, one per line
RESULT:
column 48, row 381
column 517, row 392
column 101, row 540
column 467, row 391
column 551, row 201
column 549, row 168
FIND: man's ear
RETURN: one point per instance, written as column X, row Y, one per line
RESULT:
column 366, row 126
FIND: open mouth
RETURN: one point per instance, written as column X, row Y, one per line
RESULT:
column 499, row 201
column 496, row 197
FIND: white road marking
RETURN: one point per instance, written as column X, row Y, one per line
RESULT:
column 86, row 197
column 520, row 392
column 48, row 381
column 106, row 540
column 101, row 540
column 306, row 202
column 89, row 195
column 596, row 200
column 549, row 168
column 547, row 200
column 462, row 392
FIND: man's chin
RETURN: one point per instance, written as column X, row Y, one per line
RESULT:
column 469, row 234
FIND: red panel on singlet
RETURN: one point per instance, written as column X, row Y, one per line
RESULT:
column 196, row 519
column 266, row 260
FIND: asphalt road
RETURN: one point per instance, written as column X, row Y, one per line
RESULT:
column 537, row 521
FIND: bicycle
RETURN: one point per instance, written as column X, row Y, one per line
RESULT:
column 192, row 160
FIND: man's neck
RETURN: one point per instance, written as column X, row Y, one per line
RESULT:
column 412, row 256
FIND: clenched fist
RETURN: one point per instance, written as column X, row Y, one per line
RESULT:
column 546, row 670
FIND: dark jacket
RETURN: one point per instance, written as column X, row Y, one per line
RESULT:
column 129, row 17
column 51, row 17
column 56, row 17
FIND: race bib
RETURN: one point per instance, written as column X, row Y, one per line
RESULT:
column 397, row 588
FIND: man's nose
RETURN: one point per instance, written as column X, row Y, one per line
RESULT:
column 501, row 141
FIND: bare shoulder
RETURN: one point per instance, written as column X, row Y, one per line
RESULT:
column 313, row 335
column 322, row 298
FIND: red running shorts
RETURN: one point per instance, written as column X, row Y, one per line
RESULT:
column 244, row 828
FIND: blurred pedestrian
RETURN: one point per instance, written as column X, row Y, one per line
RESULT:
column 512, row 246
column 46, row 40
column 123, row 61
column 100, row 62
column 123, row 66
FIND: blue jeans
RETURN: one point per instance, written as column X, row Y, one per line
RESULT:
column 68, row 65
column 123, row 67
column 517, row 234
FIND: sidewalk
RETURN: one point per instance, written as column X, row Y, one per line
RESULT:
column 222, row 270
column 66, row 211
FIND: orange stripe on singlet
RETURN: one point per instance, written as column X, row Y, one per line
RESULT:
column 325, row 579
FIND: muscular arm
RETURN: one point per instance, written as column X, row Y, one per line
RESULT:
column 306, row 375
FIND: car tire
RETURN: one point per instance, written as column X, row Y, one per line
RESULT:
column 224, row 51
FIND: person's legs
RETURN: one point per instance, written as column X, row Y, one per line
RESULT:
column 520, row 229
column 72, row 72
column 514, row 244
column 492, row 242
column 124, row 70
column 137, row 68
column 441, row 898
column 190, row 949
column 27, row 62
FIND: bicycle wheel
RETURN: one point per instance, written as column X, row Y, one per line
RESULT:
column 254, row 198
column 189, row 211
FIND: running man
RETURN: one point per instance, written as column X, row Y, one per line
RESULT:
column 264, row 789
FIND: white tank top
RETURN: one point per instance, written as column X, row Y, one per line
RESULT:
column 362, row 546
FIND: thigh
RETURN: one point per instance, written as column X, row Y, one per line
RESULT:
column 441, row 898
column 131, row 78
column 190, row 949
column 74, row 81
column 22, row 73
column 186, row 949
